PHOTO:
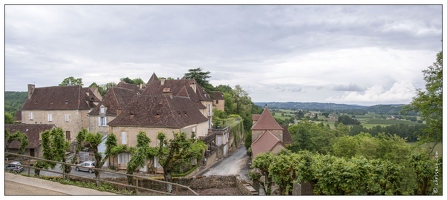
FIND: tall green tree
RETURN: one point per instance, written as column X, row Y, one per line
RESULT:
column 200, row 76
column 140, row 154
column 429, row 103
column 54, row 147
column 71, row 81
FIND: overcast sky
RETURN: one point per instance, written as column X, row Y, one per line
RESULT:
column 352, row 54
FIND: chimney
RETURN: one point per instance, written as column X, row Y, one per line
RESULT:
column 30, row 90
column 119, row 111
column 163, row 81
column 193, row 85
column 168, row 92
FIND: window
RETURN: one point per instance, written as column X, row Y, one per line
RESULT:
column 50, row 117
column 31, row 116
column 123, row 158
column 217, row 101
column 67, row 135
column 123, row 138
column 102, row 121
column 102, row 110
column 67, row 117
column 31, row 152
column 156, row 164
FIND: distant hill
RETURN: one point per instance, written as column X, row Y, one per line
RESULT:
column 14, row 101
column 309, row 105
column 390, row 109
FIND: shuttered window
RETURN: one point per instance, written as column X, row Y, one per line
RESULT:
column 50, row 117
column 123, row 138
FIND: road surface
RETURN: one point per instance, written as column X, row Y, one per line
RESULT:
column 18, row 185
column 234, row 164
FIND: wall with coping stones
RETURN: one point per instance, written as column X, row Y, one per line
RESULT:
column 198, row 182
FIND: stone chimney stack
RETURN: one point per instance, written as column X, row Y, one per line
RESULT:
column 193, row 85
column 162, row 81
column 30, row 90
column 119, row 111
column 167, row 92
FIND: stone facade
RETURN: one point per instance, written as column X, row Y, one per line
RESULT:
column 71, row 121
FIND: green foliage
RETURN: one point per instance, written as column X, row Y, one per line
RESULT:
column 54, row 146
column 9, row 119
column 347, row 120
column 262, row 162
column 14, row 101
column 200, row 77
column 429, row 103
column 70, row 81
column 22, row 138
column 177, row 152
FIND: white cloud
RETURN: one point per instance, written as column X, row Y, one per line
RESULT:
column 400, row 92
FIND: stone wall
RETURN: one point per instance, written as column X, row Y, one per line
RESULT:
column 199, row 182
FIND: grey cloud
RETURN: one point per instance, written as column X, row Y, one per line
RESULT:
column 350, row 87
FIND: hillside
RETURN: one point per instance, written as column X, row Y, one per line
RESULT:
column 14, row 101
column 391, row 109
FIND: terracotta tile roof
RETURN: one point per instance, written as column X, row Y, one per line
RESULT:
column 61, row 98
column 266, row 122
column 255, row 117
column 177, row 87
column 159, row 111
column 32, row 131
column 286, row 137
column 115, row 98
column 217, row 95
column 129, row 86
column 265, row 143
column 18, row 116
column 152, row 79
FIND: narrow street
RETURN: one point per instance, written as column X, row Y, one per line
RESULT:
column 234, row 164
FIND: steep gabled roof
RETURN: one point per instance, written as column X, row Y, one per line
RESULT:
column 217, row 95
column 265, row 143
column 159, row 111
column 266, row 122
column 152, row 79
column 255, row 117
column 115, row 98
column 32, row 131
column 129, row 86
column 155, row 87
column 61, row 98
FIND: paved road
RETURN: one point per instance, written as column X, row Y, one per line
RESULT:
column 18, row 185
column 234, row 164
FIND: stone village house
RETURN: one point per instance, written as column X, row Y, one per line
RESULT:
column 126, row 109
column 63, row 106
column 267, row 134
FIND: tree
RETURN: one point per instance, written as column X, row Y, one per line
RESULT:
column 200, row 77
column 139, row 154
column 20, row 137
column 262, row 163
column 9, row 119
column 429, row 103
column 137, row 81
column 127, row 80
column 70, row 81
column 177, row 151
column 54, row 147
column 94, row 140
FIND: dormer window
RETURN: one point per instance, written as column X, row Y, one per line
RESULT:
column 102, row 109
column 66, row 101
